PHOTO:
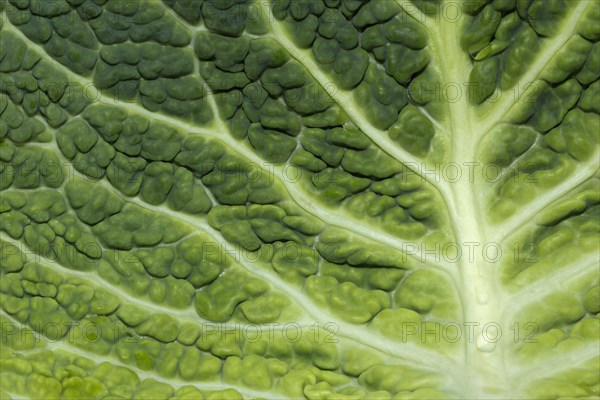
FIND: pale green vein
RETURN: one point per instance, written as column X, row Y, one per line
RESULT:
column 586, row 268
column 358, row 334
column 13, row 396
column 96, row 281
column 345, row 100
column 493, row 113
column 411, row 9
column 555, row 365
column 211, row 385
column 326, row 214
column 528, row 211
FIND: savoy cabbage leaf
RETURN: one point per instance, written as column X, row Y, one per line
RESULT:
column 322, row 199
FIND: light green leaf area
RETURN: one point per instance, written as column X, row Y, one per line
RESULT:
column 320, row 199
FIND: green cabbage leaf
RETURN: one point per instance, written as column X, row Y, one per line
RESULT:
column 289, row 199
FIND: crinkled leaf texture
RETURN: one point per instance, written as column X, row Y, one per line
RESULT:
column 322, row 199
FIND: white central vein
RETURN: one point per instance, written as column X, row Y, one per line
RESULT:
column 482, row 370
